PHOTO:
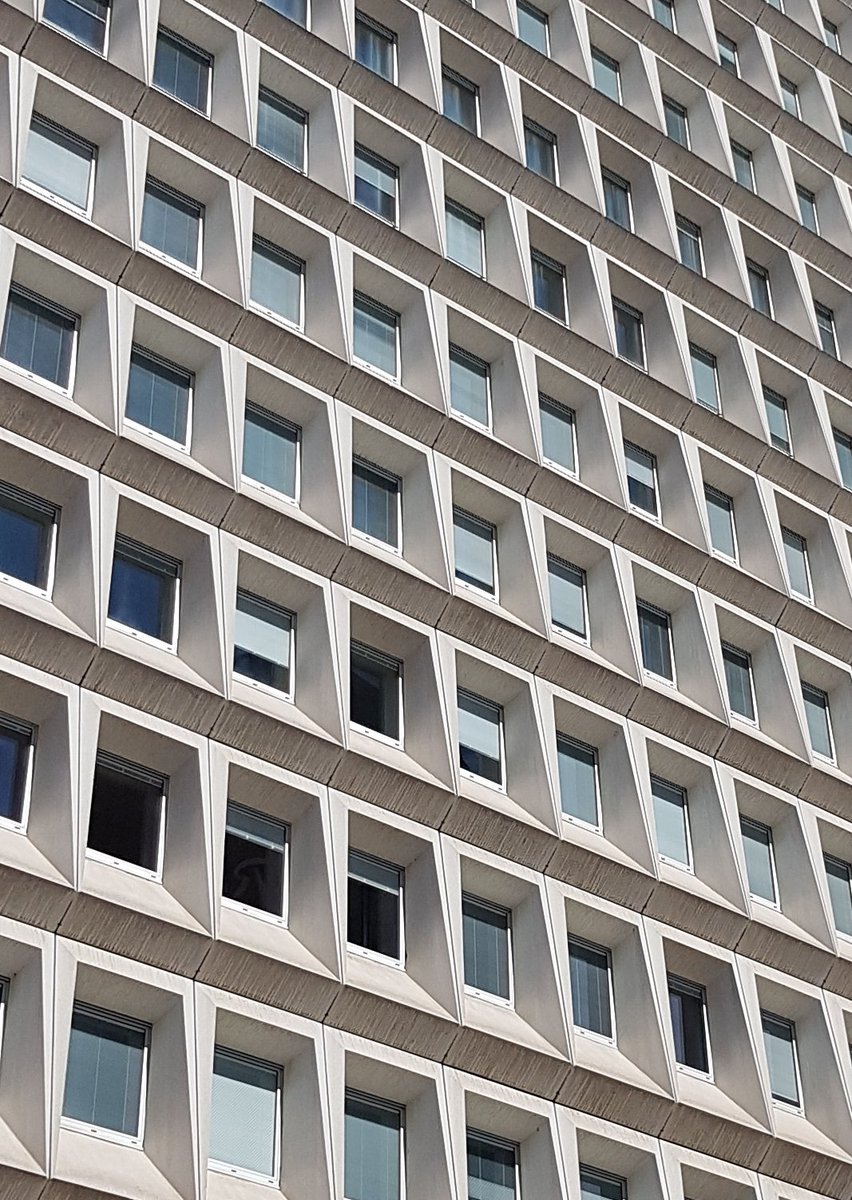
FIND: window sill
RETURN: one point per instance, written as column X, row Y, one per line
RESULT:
column 139, row 636
column 104, row 1135
column 383, row 960
column 76, row 210
column 265, row 688
column 376, row 736
column 257, row 914
column 127, row 868
column 241, row 1173
column 160, row 256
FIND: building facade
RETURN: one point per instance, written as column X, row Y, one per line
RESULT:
column 426, row 585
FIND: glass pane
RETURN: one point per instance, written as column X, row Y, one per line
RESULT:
column 578, row 788
column 38, row 338
column 293, row 10
column 727, row 53
column 689, row 243
column 469, row 390
column 375, row 335
column 375, row 503
column 807, row 209
column 617, row 200
column 590, row 990
column 720, row 517
column 253, row 872
column 704, row 377
column 676, row 121
column 103, row 1081
column 738, row 680
column 270, row 451
column 244, row 1113
column 171, row 223
column 464, row 237
column 548, row 287
column 84, row 20
column 743, row 168
column 486, row 947
column 817, row 714
column 141, row 594
column 557, row 433
column 182, row 70
column 759, row 284
column 655, row 639
column 281, row 129
column 375, row 184
column 826, row 328
column 567, row 595
column 26, row 533
column 276, row 281
column 373, row 1138
column 460, row 101
column 629, row 342
column 473, row 542
column 374, row 692
column 779, row 1039
column 686, row 1006
column 605, row 75
column 670, row 821
column 789, row 96
column 597, row 1185
column 757, row 845
column 125, row 817
column 58, row 162
column 263, row 637
column 15, row 752
column 374, row 904
column 641, row 478
column 664, row 13
column 158, row 396
column 374, row 49
column 532, row 27
column 491, row 1169
column 540, row 151
column 843, row 446
column 479, row 736
column 776, row 419
column 796, row 557
column 840, row 892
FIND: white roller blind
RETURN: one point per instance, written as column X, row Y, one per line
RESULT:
column 244, row 1113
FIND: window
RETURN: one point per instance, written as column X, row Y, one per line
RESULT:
column 558, row 434
column 728, row 58
column 617, row 205
column 790, row 96
column 839, row 876
column 664, row 12
column 255, row 868
column 375, row 692
column 540, row 150
column 293, row 10
column 688, row 1010
column 375, row 46
column 158, row 396
column 779, row 1041
column 17, row 746
column 777, row 419
column 271, row 451
column 826, row 329
column 375, row 184
column 373, row 1148
column 487, row 950
column 846, row 131
column 182, row 70
column 375, row 334
column 475, row 546
column 39, row 337
column 689, row 244
column 376, row 500
column 465, row 237
column 567, row 584
column 59, row 162
column 492, row 1167
column 591, row 991
column 480, row 737
column 743, row 165
column 461, row 100
column 808, row 213
column 127, row 817
column 548, row 277
column 738, row 680
column 533, row 27
column 720, row 518
column 758, row 281
column 759, row 860
column 705, row 378
column 27, row 536
column 601, row 1185
column 831, row 35
column 629, row 332
column 263, row 642
column 143, row 594
column 374, row 906
column 677, row 121
column 843, row 446
column 641, row 468
column 171, row 223
column 796, row 558
column 606, row 75
column 818, row 716
column 277, row 280
column 281, row 129
column 245, row 1116
column 105, row 1073
column 83, row 20
column 578, row 780
column 671, row 821
column 655, row 638
column 470, row 386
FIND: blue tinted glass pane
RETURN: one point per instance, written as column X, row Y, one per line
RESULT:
column 641, row 478
column 738, row 681
column 103, row 1083
column 38, row 338
column 548, row 288
column 567, row 595
column 182, row 70
column 14, row 757
column 58, row 162
column 464, row 238
column 541, row 153
column 557, row 434
column 655, row 641
column 170, row 223
column 590, row 995
column 281, row 129
column 486, row 948
column 720, row 517
column 141, row 597
column 375, row 503
column 243, row 1113
column 371, row 1151
column 375, row 184
column 158, row 396
column 85, row 20
column 276, row 281
column 474, row 551
column 270, row 451
column 578, row 791
column 617, row 200
column 469, row 386
column 374, row 335
column 532, row 27
column 605, row 75
column 816, row 712
column 838, row 875
column 460, row 102
column 780, row 1044
column 294, row 10
column 24, row 541
column 262, row 635
column 704, row 377
column 757, row 845
column 490, row 1169
column 374, row 49
column 597, row 1186
column 670, row 821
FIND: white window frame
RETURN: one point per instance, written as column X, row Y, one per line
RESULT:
column 296, row 499
column 453, row 348
column 612, row 1040
column 493, row 596
column 98, row 1131
column 586, row 638
column 397, row 321
column 388, row 34
column 196, row 49
column 154, row 251
column 270, row 313
column 480, row 779
column 462, row 208
column 224, row 1168
column 389, row 1106
column 64, row 32
column 9, row 491
column 67, row 389
column 753, row 721
column 735, row 558
column 138, row 634
column 832, row 759
column 755, row 899
column 255, row 684
column 566, row 408
column 136, row 347
column 688, row 866
column 470, row 990
column 363, row 951
column 138, row 771
column 655, row 516
column 646, row 670
column 699, row 990
column 296, row 110
column 569, row 817
column 502, row 1144
column 801, row 596
column 389, row 547
column 26, row 729
column 248, row 910
column 385, row 164
column 31, row 186
column 785, row 1104
column 397, row 664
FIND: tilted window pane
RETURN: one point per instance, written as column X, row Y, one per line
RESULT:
column 826, row 328
column 548, row 286
column 464, row 237
column 374, row 681
column 375, row 184
column 757, row 847
column 491, row 1168
column 16, row 746
column 470, row 379
column 270, row 450
column 777, row 420
column 26, row 536
column 533, row 27
column 689, row 244
column 540, row 150
column 474, row 543
column 758, row 279
column 779, row 1040
column 281, row 129
column 276, row 280
column 704, row 377
column 670, row 821
column 839, row 876
column 629, row 335
column 557, row 433
column 59, row 161
column 807, row 208
column 727, row 53
column 677, row 121
column 126, row 816
column 375, row 46
column 372, row 1149
column 375, row 502
column 796, row 558
column 254, row 866
column 158, row 395
column 480, row 736
column 641, row 467
column 738, row 681
column 819, row 724
column 600, row 1185
column 655, row 640
column 85, row 20
column 567, row 585
column 375, row 334
column 743, row 166
column 39, row 336
column 789, row 96
column 664, row 13
column 182, row 70
column 374, row 916
column 590, row 987
column 105, row 1071
column 617, row 199
column 263, row 636
column 686, row 1008
column 244, row 1113
column 486, row 947
column 606, row 75
column 171, row 222
column 843, row 446
column 720, row 517
column 142, row 589
column 578, row 780
column 461, row 100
